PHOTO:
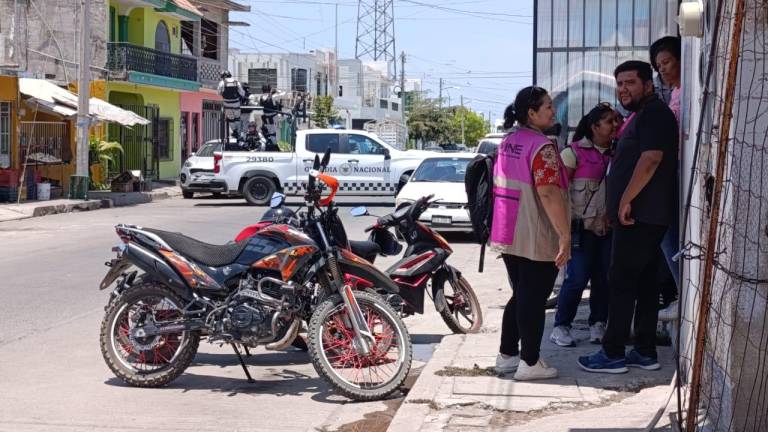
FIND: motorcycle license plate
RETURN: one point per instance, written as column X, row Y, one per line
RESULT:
column 441, row 220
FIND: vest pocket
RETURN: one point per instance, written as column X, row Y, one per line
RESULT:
column 505, row 211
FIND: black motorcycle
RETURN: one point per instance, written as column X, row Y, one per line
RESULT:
column 423, row 267
column 249, row 293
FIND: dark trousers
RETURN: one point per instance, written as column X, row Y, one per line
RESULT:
column 523, row 322
column 633, row 287
column 589, row 262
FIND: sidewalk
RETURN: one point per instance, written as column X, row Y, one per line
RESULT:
column 459, row 391
column 13, row 211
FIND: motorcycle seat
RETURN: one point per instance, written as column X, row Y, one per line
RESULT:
column 200, row 252
column 365, row 249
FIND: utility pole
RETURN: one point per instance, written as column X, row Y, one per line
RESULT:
column 402, row 81
column 490, row 122
column 440, row 97
column 78, row 185
column 336, row 57
column 463, row 138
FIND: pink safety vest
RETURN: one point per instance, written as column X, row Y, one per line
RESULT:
column 588, row 199
column 521, row 226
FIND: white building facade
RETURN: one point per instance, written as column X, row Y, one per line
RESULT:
column 362, row 92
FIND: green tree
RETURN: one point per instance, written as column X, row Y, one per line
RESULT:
column 475, row 126
column 324, row 112
column 428, row 122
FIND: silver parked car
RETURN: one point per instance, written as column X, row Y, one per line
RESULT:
column 197, row 172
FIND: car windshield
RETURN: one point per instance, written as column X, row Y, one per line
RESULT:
column 487, row 146
column 208, row 149
column 450, row 170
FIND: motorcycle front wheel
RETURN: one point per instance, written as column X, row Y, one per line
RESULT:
column 331, row 347
column 462, row 312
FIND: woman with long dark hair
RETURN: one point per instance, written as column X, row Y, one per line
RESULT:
column 586, row 161
column 530, row 229
column 665, row 60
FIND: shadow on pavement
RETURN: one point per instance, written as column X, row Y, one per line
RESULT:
column 460, row 237
column 279, row 383
column 261, row 358
column 419, row 339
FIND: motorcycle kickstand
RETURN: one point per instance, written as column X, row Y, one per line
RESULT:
column 247, row 353
column 242, row 363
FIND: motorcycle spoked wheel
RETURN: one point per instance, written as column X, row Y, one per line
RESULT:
column 462, row 313
column 356, row 376
column 152, row 361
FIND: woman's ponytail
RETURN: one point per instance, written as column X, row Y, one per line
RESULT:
column 510, row 116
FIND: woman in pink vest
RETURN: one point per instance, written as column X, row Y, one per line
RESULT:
column 587, row 160
column 531, row 229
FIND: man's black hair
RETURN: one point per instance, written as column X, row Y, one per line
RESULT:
column 642, row 68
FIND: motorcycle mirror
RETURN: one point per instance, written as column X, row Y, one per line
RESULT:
column 326, row 158
column 359, row 211
column 277, row 200
column 316, row 164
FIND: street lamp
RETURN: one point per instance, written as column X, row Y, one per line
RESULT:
column 449, row 95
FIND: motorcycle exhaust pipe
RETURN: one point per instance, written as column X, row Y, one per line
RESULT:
column 290, row 335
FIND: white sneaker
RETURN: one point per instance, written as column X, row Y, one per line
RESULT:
column 506, row 364
column 536, row 372
column 597, row 332
column 669, row 313
column 561, row 335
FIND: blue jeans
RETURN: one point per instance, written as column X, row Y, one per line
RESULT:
column 670, row 245
column 589, row 262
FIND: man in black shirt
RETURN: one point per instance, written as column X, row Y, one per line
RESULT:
column 640, row 183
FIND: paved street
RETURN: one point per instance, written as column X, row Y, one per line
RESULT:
column 53, row 377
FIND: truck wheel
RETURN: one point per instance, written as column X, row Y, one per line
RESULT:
column 258, row 190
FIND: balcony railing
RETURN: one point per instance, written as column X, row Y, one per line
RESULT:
column 209, row 72
column 124, row 57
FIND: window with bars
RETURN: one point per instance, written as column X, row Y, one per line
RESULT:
column 259, row 77
column 299, row 79
column 209, row 39
column 580, row 42
column 5, row 134
column 165, row 139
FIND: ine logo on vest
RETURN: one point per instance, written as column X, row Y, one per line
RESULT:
column 512, row 150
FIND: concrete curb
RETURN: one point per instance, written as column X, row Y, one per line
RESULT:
column 97, row 200
column 66, row 208
column 416, row 406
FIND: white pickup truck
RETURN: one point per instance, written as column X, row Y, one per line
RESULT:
column 363, row 163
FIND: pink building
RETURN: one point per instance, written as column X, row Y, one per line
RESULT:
column 200, row 113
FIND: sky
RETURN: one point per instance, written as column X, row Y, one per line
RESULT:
column 482, row 48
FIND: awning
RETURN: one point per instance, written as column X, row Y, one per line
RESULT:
column 105, row 111
column 55, row 99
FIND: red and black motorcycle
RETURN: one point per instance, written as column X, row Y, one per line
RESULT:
column 423, row 267
column 172, row 290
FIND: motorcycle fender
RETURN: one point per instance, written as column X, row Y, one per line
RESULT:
column 157, row 269
column 117, row 267
column 445, row 274
column 363, row 269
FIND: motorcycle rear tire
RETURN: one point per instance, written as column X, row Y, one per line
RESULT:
column 325, row 370
column 156, row 379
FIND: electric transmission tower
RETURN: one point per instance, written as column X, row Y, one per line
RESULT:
column 376, row 32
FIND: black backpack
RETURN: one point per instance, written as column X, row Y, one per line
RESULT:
column 478, row 183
